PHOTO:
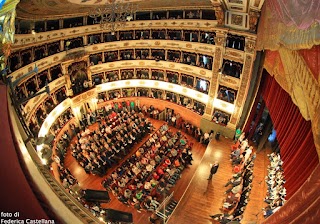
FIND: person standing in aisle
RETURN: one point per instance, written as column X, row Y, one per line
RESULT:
column 213, row 170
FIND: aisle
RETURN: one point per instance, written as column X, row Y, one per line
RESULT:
column 204, row 197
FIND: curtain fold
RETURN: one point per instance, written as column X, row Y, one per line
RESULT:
column 294, row 135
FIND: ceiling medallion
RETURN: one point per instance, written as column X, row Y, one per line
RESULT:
column 114, row 14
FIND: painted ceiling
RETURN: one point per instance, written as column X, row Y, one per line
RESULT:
column 41, row 9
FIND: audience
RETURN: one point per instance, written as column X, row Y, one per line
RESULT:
column 275, row 181
column 240, row 184
column 151, row 171
column 99, row 149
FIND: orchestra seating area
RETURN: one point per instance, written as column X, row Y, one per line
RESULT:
column 97, row 150
column 155, row 167
column 105, row 136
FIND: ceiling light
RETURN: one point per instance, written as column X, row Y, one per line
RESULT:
column 114, row 14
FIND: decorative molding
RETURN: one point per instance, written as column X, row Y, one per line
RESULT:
column 22, row 40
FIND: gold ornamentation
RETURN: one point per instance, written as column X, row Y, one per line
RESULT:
column 236, row 19
column 186, row 68
column 172, row 44
column 142, row 43
column 42, row 63
column 219, row 12
column 253, row 20
column 233, row 53
column 97, row 68
column 233, row 120
column 250, row 46
column 109, row 46
column 36, row 99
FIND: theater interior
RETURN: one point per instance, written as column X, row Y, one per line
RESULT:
column 145, row 111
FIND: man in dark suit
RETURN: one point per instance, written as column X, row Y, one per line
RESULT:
column 214, row 169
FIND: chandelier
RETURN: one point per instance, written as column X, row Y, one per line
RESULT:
column 114, row 14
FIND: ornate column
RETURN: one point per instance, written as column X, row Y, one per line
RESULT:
column 60, row 23
column 253, row 20
column 85, row 40
column 64, row 70
column 245, row 78
column 85, row 20
column 219, row 39
column 219, row 12
column 61, row 45
column 45, row 26
column 103, row 57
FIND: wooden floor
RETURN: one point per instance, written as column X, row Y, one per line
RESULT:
column 198, row 197
column 204, row 198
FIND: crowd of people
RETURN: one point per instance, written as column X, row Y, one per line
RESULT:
column 240, row 184
column 99, row 149
column 275, row 181
column 151, row 171
column 220, row 117
column 148, row 174
column 66, row 178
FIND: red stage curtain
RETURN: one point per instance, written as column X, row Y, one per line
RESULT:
column 294, row 135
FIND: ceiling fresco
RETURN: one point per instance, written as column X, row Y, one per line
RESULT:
column 40, row 9
column 101, row 2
